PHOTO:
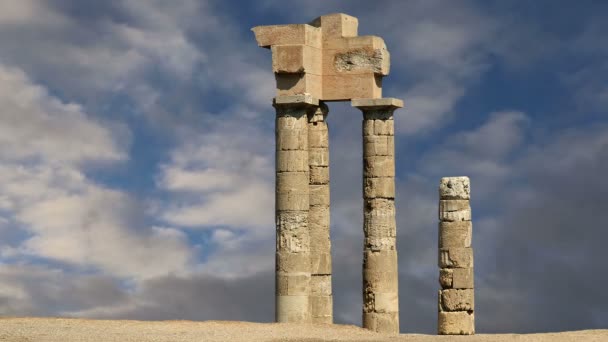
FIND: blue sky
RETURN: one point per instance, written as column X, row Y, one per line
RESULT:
column 137, row 158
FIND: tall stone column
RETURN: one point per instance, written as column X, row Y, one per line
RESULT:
column 293, row 265
column 380, row 273
column 318, row 217
column 456, row 297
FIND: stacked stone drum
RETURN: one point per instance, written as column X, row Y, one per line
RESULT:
column 456, row 297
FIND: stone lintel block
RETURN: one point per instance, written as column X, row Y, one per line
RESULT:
column 451, row 188
column 293, row 309
column 321, row 309
column 355, row 60
column 456, row 323
column 385, row 260
column 380, row 187
column 302, row 34
column 456, row 257
column 344, row 87
column 289, row 284
column 387, row 323
column 336, row 25
column 319, row 175
column 457, row 300
column 379, row 166
column 296, row 59
column 387, row 103
column 288, row 262
column 455, row 234
column 386, row 281
column 353, row 43
column 319, row 195
column 320, row 263
column 320, row 285
column 292, row 161
column 318, row 157
column 291, row 139
column 299, row 84
column 292, row 181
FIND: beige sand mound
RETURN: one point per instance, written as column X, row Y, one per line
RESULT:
column 72, row 330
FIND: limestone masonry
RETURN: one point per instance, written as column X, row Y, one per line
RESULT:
column 322, row 61
column 456, row 297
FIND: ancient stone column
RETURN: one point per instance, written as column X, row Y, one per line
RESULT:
column 318, row 217
column 293, row 263
column 456, row 297
column 380, row 273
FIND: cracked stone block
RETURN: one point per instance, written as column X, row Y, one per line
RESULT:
column 456, row 257
column 455, row 188
column 457, row 300
column 456, row 323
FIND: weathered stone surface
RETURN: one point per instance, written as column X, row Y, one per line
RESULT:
column 455, row 257
column 379, row 166
column 292, row 201
column 380, row 260
column 457, row 278
column 288, row 262
column 446, row 276
column 382, row 280
column 292, row 309
column 322, row 309
column 283, row 102
column 379, row 218
column 288, row 123
column 387, row 323
column 319, row 195
column 463, row 278
column 292, row 182
column 292, row 139
column 318, row 216
column 380, row 187
column 320, row 285
column 380, row 243
column 292, row 161
column 318, row 157
column 457, row 300
column 289, row 284
column 320, row 263
column 454, row 205
column 296, row 59
column 296, row 241
column 319, row 175
column 378, row 145
column 455, row 188
column 318, row 135
column 456, row 323
column 455, row 234
column 454, row 216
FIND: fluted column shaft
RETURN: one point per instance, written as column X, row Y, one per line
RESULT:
column 380, row 272
column 293, row 264
column 456, row 297
column 318, row 217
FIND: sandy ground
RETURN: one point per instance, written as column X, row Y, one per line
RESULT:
column 72, row 330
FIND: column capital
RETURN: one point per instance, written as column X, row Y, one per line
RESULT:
column 320, row 114
column 388, row 103
column 295, row 100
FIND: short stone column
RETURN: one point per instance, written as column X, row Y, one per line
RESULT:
column 318, row 217
column 380, row 272
column 291, row 208
column 456, row 297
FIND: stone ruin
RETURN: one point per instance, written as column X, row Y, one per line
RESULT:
column 323, row 61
